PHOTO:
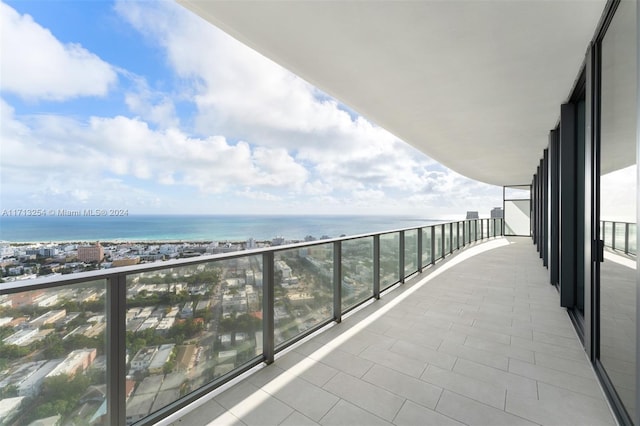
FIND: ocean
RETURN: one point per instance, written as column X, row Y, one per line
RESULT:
column 193, row 227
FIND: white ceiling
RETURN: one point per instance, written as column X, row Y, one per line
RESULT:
column 476, row 85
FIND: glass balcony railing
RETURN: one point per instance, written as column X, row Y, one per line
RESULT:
column 133, row 344
column 620, row 236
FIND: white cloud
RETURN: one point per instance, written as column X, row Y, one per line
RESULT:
column 241, row 93
column 262, row 139
column 36, row 65
column 152, row 106
column 258, row 195
column 60, row 152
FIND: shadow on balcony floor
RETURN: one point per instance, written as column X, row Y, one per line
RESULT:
column 480, row 339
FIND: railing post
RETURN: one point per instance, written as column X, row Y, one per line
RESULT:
column 376, row 266
column 433, row 244
column 116, row 345
column 442, row 243
column 337, row 281
column 268, row 320
column 450, row 237
column 613, row 235
column 401, row 257
column 419, row 250
column 626, row 238
column 464, row 234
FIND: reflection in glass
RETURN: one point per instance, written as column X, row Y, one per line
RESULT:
column 389, row 259
column 619, row 236
column 447, row 241
column 357, row 271
column 426, row 246
column 618, row 197
column 467, row 232
column 438, row 240
column 52, row 360
column 189, row 325
column 608, row 234
column 517, row 192
column 454, row 234
column 303, row 290
column 410, row 252
column 517, row 217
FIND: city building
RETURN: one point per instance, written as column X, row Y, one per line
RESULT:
column 93, row 253
column 143, row 358
column 48, row 318
column 21, row 337
column 77, row 361
column 472, row 215
column 160, row 358
column 496, row 213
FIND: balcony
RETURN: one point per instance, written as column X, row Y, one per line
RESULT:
column 443, row 323
column 480, row 339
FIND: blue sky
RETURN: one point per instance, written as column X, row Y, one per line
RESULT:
column 144, row 106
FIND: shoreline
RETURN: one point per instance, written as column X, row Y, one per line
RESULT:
column 115, row 242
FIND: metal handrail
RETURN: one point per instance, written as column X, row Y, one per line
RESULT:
column 459, row 234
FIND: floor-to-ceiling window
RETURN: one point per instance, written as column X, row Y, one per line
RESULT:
column 618, row 194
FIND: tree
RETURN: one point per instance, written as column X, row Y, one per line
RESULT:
column 9, row 392
column 54, row 349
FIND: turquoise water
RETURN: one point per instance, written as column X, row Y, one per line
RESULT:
column 194, row 228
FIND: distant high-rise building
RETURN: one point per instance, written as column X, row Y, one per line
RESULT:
column 277, row 241
column 472, row 215
column 94, row 253
column 496, row 213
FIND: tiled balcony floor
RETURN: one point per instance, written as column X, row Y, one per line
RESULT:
column 479, row 340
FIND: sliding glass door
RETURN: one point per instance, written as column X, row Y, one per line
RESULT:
column 618, row 194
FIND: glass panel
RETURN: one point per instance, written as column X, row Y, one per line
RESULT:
column 187, row 326
column 52, row 358
column 303, row 290
column 410, row 252
column 447, row 241
column 454, row 234
column 438, row 239
column 426, row 246
column 619, row 236
column 517, row 192
column 467, row 230
column 633, row 243
column 357, row 271
column 517, row 217
column 608, row 234
column 389, row 259
column 618, row 198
